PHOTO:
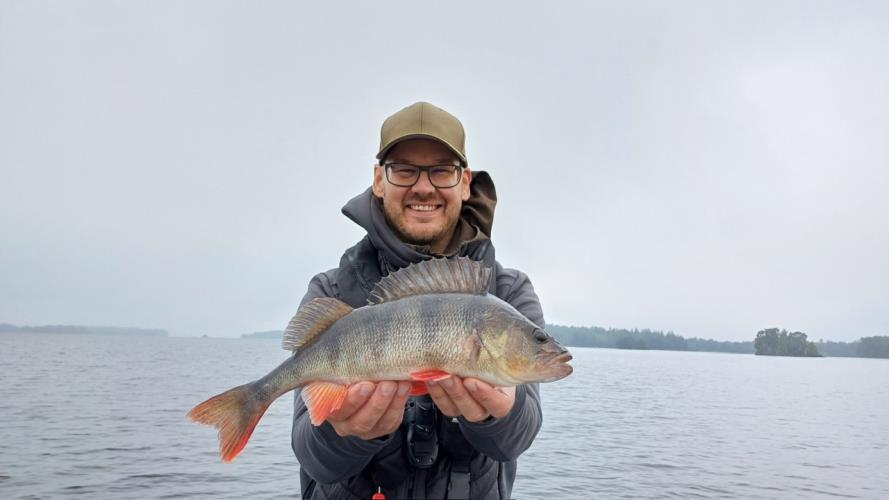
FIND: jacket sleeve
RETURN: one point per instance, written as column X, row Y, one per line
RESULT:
column 506, row 438
column 322, row 453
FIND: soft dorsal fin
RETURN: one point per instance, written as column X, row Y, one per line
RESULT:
column 441, row 275
column 312, row 319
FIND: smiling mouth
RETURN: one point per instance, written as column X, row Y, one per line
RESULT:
column 425, row 207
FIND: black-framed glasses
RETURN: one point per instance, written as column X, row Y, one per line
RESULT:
column 406, row 175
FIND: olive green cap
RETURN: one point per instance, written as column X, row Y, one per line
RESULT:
column 423, row 120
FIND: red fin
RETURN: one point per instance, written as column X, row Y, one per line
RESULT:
column 419, row 388
column 235, row 413
column 427, row 375
column 322, row 399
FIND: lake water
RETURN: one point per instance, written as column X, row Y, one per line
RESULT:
column 99, row 417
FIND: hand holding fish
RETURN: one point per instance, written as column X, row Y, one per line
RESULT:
column 472, row 398
column 370, row 411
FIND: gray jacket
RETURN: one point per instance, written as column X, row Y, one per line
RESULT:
column 335, row 467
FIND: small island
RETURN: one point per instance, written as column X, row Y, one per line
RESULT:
column 775, row 342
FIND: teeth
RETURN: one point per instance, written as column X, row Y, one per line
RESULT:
column 423, row 208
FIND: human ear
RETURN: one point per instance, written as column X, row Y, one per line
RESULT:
column 464, row 184
column 378, row 181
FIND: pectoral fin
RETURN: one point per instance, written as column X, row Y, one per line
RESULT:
column 419, row 388
column 427, row 375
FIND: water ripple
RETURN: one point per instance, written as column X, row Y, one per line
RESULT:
column 107, row 420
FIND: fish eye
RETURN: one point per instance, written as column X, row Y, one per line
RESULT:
column 540, row 336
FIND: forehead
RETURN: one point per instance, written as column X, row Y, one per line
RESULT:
column 426, row 150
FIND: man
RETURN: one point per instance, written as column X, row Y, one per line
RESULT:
column 462, row 440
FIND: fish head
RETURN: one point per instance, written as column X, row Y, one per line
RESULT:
column 522, row 352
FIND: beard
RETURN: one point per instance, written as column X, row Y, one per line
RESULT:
column 395, row 219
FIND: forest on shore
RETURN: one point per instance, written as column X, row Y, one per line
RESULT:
column 770, row 341
column 620, row 338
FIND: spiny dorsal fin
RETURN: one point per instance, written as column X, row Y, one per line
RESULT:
column 312, row 319
column 459, row 275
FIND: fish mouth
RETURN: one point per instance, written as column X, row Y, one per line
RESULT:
column 555, row 366
column 562, row 358
column 554, row 358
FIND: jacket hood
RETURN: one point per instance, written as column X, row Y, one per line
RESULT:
column 471, row 235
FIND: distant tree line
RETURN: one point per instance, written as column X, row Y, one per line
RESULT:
column 873, row 347
column 775, row 342
column 594, row 336
column 865, row 347
column 80, row 330
column 620, row 338
column 837, row 349
column 772, row 340
column 709, row 345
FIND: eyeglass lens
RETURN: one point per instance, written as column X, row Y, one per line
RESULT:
column 406, row 175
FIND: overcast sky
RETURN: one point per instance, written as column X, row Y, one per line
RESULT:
column 711, row 168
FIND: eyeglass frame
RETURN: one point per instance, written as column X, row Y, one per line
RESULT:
column 421, row 169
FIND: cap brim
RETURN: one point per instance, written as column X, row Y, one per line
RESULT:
column 393, row 143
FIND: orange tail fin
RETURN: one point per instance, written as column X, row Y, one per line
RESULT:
column 235, row 413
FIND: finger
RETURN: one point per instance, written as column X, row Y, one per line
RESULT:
column 391, row 419
column 442, row 400
column 495, row 400
column 466, row 404
column 365, row 418
column 356, row 397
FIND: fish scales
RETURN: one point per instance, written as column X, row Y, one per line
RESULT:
column 384, row 341
column 388, row 342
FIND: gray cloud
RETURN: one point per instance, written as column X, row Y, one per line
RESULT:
column 708, row 168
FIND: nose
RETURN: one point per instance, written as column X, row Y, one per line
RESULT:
column 423, row 185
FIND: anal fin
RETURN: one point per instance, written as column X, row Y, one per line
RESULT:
column 322, row 399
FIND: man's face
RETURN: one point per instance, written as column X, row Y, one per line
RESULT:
column 422, row 214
